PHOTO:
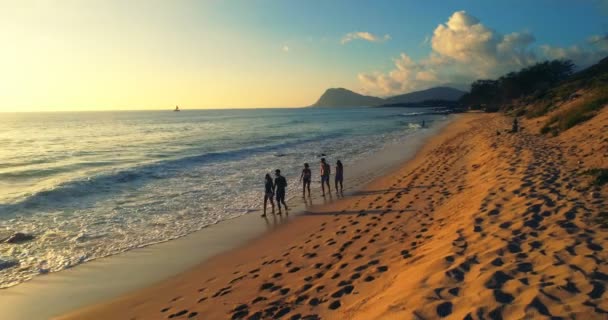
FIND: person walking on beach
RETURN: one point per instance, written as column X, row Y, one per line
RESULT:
column 280, row 184
column 305, row 179
column 268, row 193
column 339, row 175
column 515, row 127
column 325, row 171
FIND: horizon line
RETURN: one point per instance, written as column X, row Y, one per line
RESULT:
column 169, row 109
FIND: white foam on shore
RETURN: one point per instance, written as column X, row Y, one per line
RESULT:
column 105, row 278
column 87, row 218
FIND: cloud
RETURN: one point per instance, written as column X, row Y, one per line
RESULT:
column 364, row 36
column 599, row 41
column 426, row 41
column 583, row 55
column 463, row 50
column 285, row 48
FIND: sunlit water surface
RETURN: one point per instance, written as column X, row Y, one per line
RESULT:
column 93, row 184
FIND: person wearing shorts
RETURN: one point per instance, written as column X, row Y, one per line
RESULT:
column 325, row 172
column 280, row 184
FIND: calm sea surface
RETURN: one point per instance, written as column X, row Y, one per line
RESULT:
column 93, row 184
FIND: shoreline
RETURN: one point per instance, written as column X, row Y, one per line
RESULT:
column 110, row 277
column 299, row 225
column 481, row 223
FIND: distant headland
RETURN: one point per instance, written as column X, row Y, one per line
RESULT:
column 340, row 97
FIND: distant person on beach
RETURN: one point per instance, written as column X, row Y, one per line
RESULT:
column 280, row 184
column 339, row 175
column 268, row 193
column 515, row 127
column 325, row 171
column 305, row 178
column 423, row 124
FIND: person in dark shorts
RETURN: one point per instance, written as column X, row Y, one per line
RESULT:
column 305, row 178
column 339, row 175
column 268, row 193
column 325, row 172
column 280, row 184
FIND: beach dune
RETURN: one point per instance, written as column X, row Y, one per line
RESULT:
column 481, row 224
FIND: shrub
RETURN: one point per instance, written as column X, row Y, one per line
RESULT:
column 582, row 111
column 490, row 109
column 545, row 129
column 573, row 119
column 539, row 109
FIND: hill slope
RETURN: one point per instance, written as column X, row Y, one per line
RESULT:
column 568, row 104
column 340, row 97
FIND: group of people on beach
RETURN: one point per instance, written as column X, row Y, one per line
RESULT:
column 277, row 188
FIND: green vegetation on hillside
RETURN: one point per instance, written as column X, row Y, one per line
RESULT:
column 581, row 110
column 593, row 80
column 493, row 95
column 539, row 89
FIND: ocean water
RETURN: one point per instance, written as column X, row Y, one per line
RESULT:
column 93, row 184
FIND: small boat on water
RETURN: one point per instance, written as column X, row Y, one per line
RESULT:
column 177, row 109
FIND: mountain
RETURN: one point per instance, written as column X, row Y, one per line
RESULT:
column 437, row 93
column 340, row 97
column 444, row 104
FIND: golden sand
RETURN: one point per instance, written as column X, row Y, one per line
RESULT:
column 481, row 224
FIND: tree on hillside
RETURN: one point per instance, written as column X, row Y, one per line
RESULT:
column 490, row 94
column 483, row 92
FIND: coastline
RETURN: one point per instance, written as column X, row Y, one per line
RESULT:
column 481, row 223
column 106, row 278
column 265, row 245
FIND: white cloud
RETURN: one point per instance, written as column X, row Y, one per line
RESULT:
column 428, row 76
column 582, row 55
column 463, row 50
column 367, row 36
column 426, row 41
column 599, row 41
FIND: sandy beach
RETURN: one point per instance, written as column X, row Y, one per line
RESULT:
column 172, row 160
column 480, row 224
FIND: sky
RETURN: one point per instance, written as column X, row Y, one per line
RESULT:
column 81, row 55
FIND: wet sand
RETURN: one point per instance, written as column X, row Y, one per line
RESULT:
column 477, row 225
column 110, row 277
